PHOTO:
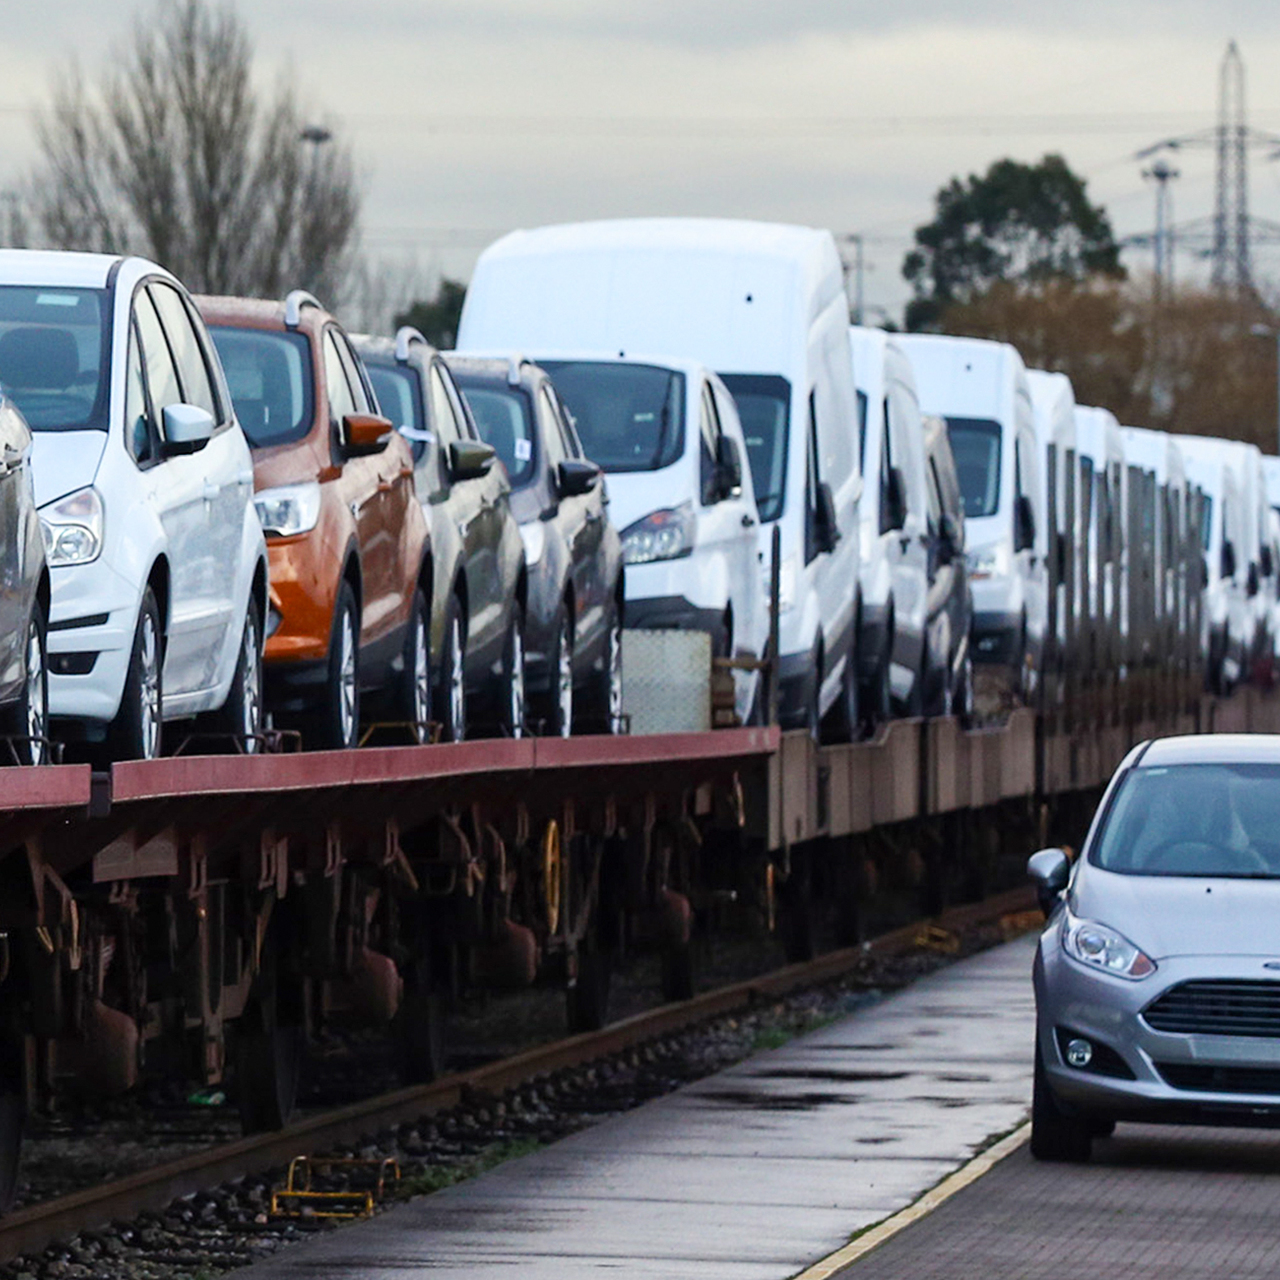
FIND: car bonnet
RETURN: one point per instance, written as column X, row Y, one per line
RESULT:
column 64, row 461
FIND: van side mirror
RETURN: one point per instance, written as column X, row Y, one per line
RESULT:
column 728, row 467
column 1060, row 569
column 1049, row 870
column 1252, row 581
column 1024, row 524
column 575, row 476
column 364, row 434
column 1227, row 568
column 893, row 510
column 1268, row 564
column 826, row 531
column 187, row 428
column 470, row 459
column 1204, row 573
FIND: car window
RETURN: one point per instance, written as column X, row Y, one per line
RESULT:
column 504, row 418
column 764, row 408
column 269, row 376
column 341, row 400
column 360, row 392
column 139, row 439
column 1204, row 820
column 549, row 423
column 189, row 357
column 444, row 416
column 400, row 399
column 162, row 374
column 54, row 355
column 975, row 444
column 709, row 430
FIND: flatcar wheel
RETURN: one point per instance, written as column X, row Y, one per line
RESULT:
column 588, row 998
column 677, row 971
column 268, row 1065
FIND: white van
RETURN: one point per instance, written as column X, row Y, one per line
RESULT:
column 980, row 388
column 1226, row 619
column 894, row 544
column 1247, row 460
column 765, row 307
column 666, row 433
column 1054, row 404
column 1104, row 494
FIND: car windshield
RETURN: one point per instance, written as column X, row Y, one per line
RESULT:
column 53, row 354
column 269, row 377
column 630, row 417
column 975, row 444
column 1194, row 820
column 764, row 405
column 503, row 417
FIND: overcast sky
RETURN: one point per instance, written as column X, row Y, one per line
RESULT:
column 470, row 117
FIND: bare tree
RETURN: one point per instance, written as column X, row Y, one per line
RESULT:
column 175, row 155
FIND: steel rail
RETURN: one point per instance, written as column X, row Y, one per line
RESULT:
column 35, row 1227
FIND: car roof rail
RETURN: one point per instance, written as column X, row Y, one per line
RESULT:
column 294, row 303
column 514, row 364
column 406, row 334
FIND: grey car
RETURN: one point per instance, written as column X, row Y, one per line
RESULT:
column 1157, row 977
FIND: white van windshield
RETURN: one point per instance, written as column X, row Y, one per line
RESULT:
column 630, row 417
column 764, row 406
column 53, row 355
column 975, row 444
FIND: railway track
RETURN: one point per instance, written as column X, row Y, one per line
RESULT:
column 34, row 1228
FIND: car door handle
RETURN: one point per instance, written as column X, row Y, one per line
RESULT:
column 385, row 486
column 748, row 520
column 211, row 490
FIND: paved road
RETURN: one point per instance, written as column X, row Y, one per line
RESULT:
column 1154, row 1204
column 748, row 1175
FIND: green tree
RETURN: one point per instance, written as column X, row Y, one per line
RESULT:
column 174, row 153
column 1016, row 223
column 437, row 318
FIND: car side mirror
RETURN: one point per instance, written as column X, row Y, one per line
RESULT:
column 728, row 467
column 826, row 531
column 364, row 434
column 1252, row 580
column 1049, row 870
column 470, row 459
column 1204, row 573
column 1268, row 564
column 1024, row 524
column 1228, row 565
column 187, row 428
column 893, row 511
column 576, row 476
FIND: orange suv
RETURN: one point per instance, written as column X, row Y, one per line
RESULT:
column 346, row 536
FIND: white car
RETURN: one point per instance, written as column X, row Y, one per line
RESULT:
column 145, row 488
column 666, row 433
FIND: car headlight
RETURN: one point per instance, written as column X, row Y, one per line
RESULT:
column 1101, row 947
column 534, row 537
column 988, row 562
column 288, row 510
column 661, row 535
column 72, row 528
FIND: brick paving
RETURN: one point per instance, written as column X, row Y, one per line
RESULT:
column 1158, row 1203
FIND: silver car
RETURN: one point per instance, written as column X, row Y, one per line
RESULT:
column 1157, row 977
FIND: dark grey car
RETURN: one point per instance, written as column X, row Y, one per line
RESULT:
column 949, row 605
column 573, row 633
column 1157, row 977
column 479, row 587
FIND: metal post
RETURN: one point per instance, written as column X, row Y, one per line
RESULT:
column 775, row 591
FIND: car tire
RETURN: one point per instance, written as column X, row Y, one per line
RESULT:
column 603, row 698
column 453, row 674
column 26, row 721
column 136, row 732
column 413, row 700
column 338, row 723
column 962, row 699
column 511, row 712
column 560, row 709
column 1055, row 1135
column 241, row 715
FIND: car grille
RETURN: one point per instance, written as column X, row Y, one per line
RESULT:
column 1218, row 1008
column 1184, row 1075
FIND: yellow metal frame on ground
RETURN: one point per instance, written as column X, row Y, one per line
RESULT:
column 931, row 1200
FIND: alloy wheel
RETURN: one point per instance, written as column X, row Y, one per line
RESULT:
column 421, row 709
column 347, row 679
column 615, row 677
column 515, row 685
column 564, row 680
column 149, row 688
column 457, row 681
column 251, row 685
column 37, row 700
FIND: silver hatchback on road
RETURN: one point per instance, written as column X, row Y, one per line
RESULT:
column 1157, row 977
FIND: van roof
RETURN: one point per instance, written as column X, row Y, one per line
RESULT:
column 961, row 377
